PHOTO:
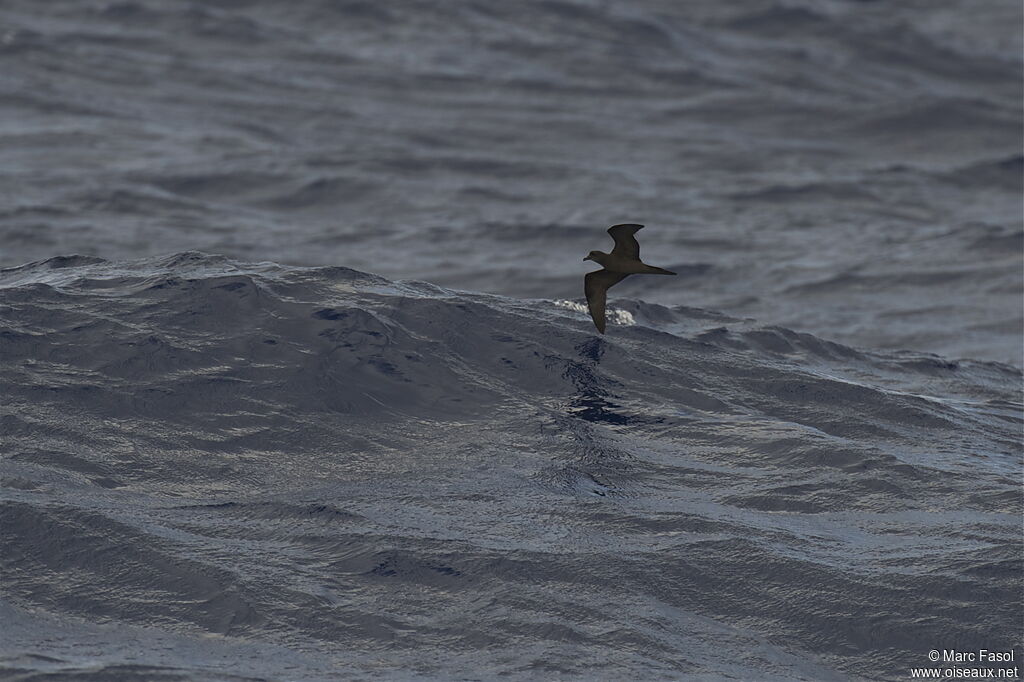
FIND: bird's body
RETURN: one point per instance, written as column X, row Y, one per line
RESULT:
column 628, row 266
column 623, row 261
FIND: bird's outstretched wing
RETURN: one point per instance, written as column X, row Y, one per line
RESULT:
column 595, row 286
column 625, row 243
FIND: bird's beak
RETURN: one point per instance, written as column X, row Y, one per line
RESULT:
column 586, row 258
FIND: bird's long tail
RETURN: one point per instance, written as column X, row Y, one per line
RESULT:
column 651, row 270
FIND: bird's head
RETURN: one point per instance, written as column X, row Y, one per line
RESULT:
column 595, row 256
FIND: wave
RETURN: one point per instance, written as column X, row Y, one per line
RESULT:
column 325, row 461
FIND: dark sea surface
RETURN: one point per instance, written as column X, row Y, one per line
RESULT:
column 296, row 383
column 850, row 169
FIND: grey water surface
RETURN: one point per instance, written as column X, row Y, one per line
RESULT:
column 296, row 383
column 850, row 169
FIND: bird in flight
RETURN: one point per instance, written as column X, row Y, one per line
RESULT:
column 623, row 261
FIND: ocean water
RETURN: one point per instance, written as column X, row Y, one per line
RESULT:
column 296, row 382
column 849, row 169
column 215, row 467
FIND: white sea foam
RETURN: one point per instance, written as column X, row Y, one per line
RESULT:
column 613, row 316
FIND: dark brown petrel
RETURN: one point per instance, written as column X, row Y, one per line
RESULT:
column 623, row 261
